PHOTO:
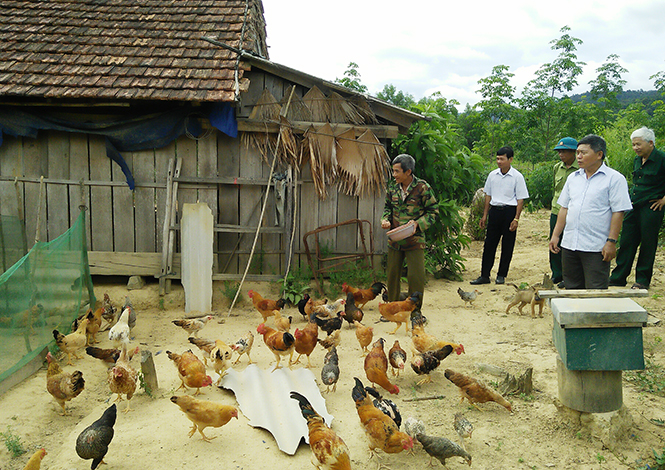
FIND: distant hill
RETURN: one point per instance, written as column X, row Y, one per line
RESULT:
column 625, row 98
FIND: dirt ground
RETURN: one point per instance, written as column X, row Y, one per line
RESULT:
column 537, row 435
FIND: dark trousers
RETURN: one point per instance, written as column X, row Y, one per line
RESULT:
column 415, row 263
column 640, row 227
column 555, row 258
column 498, row 228
column 585, row 269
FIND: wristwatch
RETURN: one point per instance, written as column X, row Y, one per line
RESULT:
column 612, row 240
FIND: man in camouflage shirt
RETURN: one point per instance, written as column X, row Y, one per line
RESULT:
column 409, row 200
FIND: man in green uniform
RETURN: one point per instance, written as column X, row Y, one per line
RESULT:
column 567, row 165
column 409, row 200
column 641, row 225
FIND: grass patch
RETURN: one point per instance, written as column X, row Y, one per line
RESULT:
column 13, row 442
column 229, row 290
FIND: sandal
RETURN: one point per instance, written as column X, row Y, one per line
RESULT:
column 637, row 285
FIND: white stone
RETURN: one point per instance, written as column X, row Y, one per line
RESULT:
column 197, row 256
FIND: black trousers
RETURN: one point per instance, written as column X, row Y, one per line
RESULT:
column 498, row 229
column 585, row 270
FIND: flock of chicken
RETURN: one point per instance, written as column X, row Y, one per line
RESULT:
column 379, row 416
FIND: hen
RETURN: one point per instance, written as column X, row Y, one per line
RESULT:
column 474, row 391
column 425, row 363
column 205, row 414
column 119, row 333
column 280, row 343
column 131, row 319
column 351, row 313
column 387, row 406
column 327, row 310
column 93, row 442
column 423, row 341
column 310, row 305
column 441, row 448
column 191, row 370
column 330, row 370
column 306, row 341
column 244, row 346
column 61, row 385
column 400, row 311
column 282, row 323
column 364, row 334
column 108, row 310
column 376, row 366
column 327, row 447
column 221, row 359
column 122, row 378
column 193, row 325
column 329, row 324
column 73, row 342
column 397, row 358
column 35, row 461
column 94, row 324
column 265, row 306
column 331, row 340
column 204, row 344
column 380, row 429
column 463, row 427
column 468, row 297
column 110, row 355
column 362, row 296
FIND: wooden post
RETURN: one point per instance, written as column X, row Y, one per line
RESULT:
column 148, row 370
column 172, row 217
column 166, row 228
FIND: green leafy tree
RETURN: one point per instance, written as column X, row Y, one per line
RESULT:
column 396, row 97
column 351, row 79
column 607, row 86
column 496, row 106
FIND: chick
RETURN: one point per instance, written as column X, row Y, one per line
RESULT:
column 441, row 448
column 463, row 427
column 468, row 297
column 330, row 370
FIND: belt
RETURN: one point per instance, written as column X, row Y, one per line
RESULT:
column 500, row 208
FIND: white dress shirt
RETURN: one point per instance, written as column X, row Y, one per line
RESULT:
column 506, row 189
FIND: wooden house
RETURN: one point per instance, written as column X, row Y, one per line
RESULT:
column 133, row 108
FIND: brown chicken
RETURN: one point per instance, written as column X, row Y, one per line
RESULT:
column 108, row 311
column 73, row 342
column 396, row 358
column 425, row 363
column 205, row 345
column 364, row 334
column 328, row 310
column 110, row 355
column 191, row 370
column 205, row 414
column 331, row 340
column 94, row 324
column 306, row 340
column 423, row 341
column 400, row 311
column 36, row 460
column 308, row 304
column 362, row 296
column 381, row 430
column 474, row 391
column 221, row 359
column 351, row 313
column 61, row 385
column 193, row 325
column 244, row 346
column 93, row 442
column 327, row 447
column 280, row 343
column 266, row 307
column 376, row 366
column 282, row 323
column 122, row 378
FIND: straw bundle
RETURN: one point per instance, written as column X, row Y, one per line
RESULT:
column 350, row 163
column 288, row 151
column 318, row 104
column 319, row 146
column 376, row 164
column 266, row 108
column 343, row 111
column 363, row 108
column 297, row 111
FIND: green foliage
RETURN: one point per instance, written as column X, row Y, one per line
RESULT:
column 13, row 442
column 351, row 79
column 296, row 285
column 144, row 386
column 396, row 97
column 229, row 290
column 356, row 274
column 476, row 210
column 540, row 184
column 651, row 379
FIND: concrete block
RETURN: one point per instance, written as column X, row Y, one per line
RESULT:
column 135, row 283
column 197, row 256
column 148, row 370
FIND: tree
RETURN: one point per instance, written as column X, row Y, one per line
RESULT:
column 351, row 79
column 396, row 97
column 607, row 86
column 496, row 105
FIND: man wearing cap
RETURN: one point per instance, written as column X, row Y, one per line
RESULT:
column 409, row 200
column 505, row 192
column 566, row 148
column 641, row 225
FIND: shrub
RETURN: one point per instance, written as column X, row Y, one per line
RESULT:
column 476, row 210
column 540, row 184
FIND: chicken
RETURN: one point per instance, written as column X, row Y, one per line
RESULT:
column 468, row 297
column 425, row 363
column 328, row 310
column 364, row 334
column 306, row 341
column 205, row 345
column 191, row 370
column 282, row 323
column 221, row 359
column 387, row 406
column 119, row 333
column 122, row 378
column 423, row 341
column 312, row 304
column 330, row 370
column 463, row 427
column 474, row 391
column 380, row 429
column 328, row 448
column 331, row 340
column 441, row 448
column 362, row 296
column 281, row 343
column 108, row 355
column 244, row 346
column 376, row 366
column 205, row 414
column 108, row 312
column 401, row 296
column 61, row 385
column 131, row 320
column 192, row 325
column 93, row 442
column 94, row 324
column 330, row 324
column 351, row 313
column 399, row 311
column 36, row 460
column 73, row 342
column 417, row 318
column 396, row 358
column 413, row 426
column 265, row 306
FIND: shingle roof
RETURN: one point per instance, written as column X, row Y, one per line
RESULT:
column 125, row 49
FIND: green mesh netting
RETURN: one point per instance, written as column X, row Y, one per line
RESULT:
column 44, row 290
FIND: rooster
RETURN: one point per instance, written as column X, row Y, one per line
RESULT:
column 425, row 363
column 306, row 341
column 387, row 406
column 424, row 342
column 280, row 343
column 351, row 313
column 328, row 325
column 265, row 307
column 362, row 296
column 376, row 366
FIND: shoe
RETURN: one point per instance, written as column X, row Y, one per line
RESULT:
column 500, row 280
column 480, row 280
column 617, row 283
column 556, row 280
column 637, row 285
column 561, row 285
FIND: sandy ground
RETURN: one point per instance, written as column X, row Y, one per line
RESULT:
column 536, row 435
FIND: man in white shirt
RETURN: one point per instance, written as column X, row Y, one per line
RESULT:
column 593, row 202
column 505, row 192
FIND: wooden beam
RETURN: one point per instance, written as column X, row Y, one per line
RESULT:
column 299, row 127
column 593, row 293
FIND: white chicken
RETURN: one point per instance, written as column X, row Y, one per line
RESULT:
column 119, row 333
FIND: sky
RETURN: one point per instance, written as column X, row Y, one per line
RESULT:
column 425, row 46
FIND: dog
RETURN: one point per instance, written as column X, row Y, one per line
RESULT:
column 527, row 296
